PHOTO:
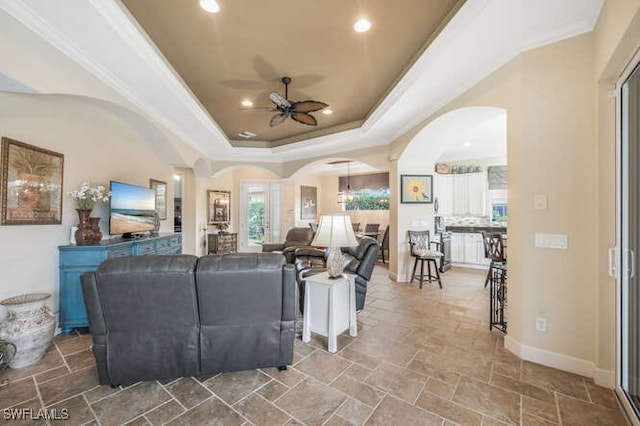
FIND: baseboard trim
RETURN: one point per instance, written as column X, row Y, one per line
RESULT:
column 562, row 362
column 399, row 278
column 605, row 378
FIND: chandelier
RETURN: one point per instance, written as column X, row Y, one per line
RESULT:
column 347, row 196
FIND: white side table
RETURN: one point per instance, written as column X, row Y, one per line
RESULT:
column 329, row 307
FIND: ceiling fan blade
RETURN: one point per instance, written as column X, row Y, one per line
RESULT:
column 277, row 119
column 280, row 101
column 304, row 118
column 308, row 106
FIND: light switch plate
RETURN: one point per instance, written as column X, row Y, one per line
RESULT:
column 554, row 241
column 540, row 202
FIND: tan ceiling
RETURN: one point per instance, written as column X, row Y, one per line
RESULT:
column 243, row 51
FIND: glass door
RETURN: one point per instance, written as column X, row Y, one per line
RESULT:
column 260, row 217
column 628, row 386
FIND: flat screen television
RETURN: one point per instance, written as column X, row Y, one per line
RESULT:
column 131, row 209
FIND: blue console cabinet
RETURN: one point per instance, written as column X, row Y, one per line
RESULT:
column 76, row 260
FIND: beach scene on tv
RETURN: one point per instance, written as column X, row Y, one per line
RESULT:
column 132, row 209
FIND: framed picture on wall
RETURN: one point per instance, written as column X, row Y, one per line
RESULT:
column 308, row 202
column 31, row 184
column 416, row 189
column 161, row 197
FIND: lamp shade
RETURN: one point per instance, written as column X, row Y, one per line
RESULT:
column 335, row 230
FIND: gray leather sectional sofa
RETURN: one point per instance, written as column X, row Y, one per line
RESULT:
column 162, row 317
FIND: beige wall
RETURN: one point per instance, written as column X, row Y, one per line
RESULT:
column 97, row 147
column 617, row 37
column 550, row 151
column 561, row 143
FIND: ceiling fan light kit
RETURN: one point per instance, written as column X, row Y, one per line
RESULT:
column 210, row 6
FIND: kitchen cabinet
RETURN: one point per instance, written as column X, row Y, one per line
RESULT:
column 470, row 194
column 462, row 194
column 444, row 193
column 457, row 247
column 473, row 249
column 477, row 194
column 467, row 249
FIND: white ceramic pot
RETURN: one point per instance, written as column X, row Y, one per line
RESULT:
column 29, row 326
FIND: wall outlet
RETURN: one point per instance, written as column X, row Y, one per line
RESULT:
column 541, row 324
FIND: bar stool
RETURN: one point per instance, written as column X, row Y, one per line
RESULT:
column 494, row 249
column 419, row 246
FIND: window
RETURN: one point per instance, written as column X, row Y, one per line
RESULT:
column 369, row 200
column 371, row 191
column 498, row 205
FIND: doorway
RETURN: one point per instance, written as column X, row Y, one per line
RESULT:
column 628, row 369
column 177, row 202
column 260, row 214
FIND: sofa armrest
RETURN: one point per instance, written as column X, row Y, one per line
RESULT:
column 310, row 251
column 269, row 247
column 92, row 303
column 97, row 325
column 288, row 293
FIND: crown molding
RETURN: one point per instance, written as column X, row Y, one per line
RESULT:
column 102, row 38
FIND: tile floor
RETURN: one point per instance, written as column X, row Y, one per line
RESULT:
column 421, row 357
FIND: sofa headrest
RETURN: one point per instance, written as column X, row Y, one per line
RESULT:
column 240, row 262
column 152, row 263
column 299, row 236
column 361, row 249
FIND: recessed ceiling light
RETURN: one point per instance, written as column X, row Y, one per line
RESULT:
column 247, row 135
column 362, row 26
column 210, row 6
column 327, row 111
column 466, row 144
column 247, row 103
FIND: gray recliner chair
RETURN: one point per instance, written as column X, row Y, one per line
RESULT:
column 358, row 260
column 296, row 237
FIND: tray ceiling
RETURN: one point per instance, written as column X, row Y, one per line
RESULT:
column 242, row 52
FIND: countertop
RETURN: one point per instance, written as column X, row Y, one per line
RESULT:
column 472, row 229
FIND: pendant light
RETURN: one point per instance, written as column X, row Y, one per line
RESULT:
column 346, row 196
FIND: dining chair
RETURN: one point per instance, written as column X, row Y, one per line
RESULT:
column 356, row 226
column 371, row 228
column 495, row 251
column 384, row 245
column 419, row 243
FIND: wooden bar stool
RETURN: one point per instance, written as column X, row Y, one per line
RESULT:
column 419, row 244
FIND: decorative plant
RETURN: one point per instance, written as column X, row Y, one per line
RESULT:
column 86, row 197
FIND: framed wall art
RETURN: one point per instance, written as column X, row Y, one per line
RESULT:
column 218, row 207
column 308, row 202
column 416, row 189
column 161, row 197
column 31, row 184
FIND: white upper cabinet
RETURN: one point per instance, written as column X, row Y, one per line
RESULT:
column 462, row 195
column 443, row 190
column 477, row 193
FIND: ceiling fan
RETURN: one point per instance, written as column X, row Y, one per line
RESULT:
column 298, row 111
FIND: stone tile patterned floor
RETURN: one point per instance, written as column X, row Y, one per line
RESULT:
column 421, row 357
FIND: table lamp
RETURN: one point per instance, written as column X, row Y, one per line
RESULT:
column 334, row 231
